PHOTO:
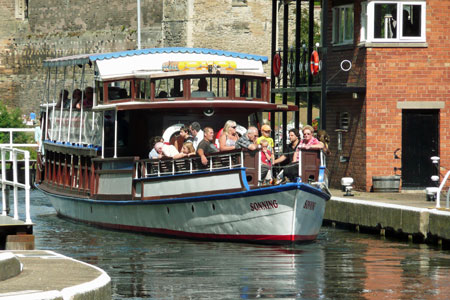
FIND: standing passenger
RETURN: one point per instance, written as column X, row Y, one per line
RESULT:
column 197, row 133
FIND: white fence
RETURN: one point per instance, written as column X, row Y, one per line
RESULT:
column 11, row 132
column 15, row 183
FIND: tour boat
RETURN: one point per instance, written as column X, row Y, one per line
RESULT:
column 94, row 161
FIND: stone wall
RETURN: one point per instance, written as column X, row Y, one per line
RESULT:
column 58, row 28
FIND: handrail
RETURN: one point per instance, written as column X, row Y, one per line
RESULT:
column 228, row 164
column 4, row 182
column 11, row 140
column 438, row 195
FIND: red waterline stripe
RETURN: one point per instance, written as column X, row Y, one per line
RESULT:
column 209, row 236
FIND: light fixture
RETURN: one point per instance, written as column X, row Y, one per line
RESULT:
column 355, row 95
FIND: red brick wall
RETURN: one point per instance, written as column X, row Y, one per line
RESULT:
column 392, row 75
column 407, row 74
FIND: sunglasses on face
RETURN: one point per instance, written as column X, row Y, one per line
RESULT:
column 233, row 127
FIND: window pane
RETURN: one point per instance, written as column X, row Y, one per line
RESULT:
column 349, row 24
column 412, row 20
column 168, row 88
column 385, row 21
column 341, row 25
column 119, row 90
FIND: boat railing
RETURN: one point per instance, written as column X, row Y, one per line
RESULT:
column 167, row 166
column 15, row 182
column 438, row 195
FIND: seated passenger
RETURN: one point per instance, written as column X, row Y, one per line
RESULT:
column 187, row 150
column 206, row 146
column 76, row 97
column 248, row 139
column 153, row 153
column 227, row 141
column 202, row 89
column 265, row 135
column 64, row 99
column 88, row 100
column 308, row 141
column 164, row 150
column 162, row 94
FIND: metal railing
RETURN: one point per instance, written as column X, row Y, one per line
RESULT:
column 11, row 132
column 15, row 183
column 438, row 194
column 157, row 167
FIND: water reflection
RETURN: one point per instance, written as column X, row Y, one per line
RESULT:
column 339, row 265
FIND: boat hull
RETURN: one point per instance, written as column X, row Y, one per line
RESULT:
column 280, row 214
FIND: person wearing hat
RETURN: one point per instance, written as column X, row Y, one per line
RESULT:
column 265, row 135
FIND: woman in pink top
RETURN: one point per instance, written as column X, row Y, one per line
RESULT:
column 308, row 141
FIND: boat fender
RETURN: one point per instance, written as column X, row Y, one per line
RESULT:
column 276, row 64
column 314, row 63
column 170, row 131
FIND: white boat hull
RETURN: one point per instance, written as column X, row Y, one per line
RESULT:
column 281, row 214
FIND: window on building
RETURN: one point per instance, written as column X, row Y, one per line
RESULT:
column 394, row 21
column 343, row 24
column 21, row 9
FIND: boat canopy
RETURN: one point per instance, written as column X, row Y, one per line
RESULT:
column 160, row 60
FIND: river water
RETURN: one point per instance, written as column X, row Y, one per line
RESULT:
column 339, row 265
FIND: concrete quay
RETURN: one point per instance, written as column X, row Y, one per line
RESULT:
column 41, row 274
column 391, row 214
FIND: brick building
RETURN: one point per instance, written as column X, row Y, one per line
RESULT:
column 395, row 93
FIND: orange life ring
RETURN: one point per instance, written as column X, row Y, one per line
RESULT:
column 314, row 63
column 276, row 64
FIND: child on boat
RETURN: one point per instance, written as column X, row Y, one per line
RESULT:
column 265, row 135
column 267, row 158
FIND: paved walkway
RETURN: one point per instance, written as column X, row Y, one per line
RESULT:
column 409, row 198
column 48, row 275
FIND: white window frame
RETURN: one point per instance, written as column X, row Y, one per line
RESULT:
column 363, row 29
column 399, row 39
column 336, row 13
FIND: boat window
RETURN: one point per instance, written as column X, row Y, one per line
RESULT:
column 168, row 88
column 119, row 90
column 248, row 88
column 143, row 90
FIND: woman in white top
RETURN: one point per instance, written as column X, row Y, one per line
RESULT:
column 227, row 141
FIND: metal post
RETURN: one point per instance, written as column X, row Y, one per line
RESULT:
column 82, row 100
column 27, row 188
column 323, row 103
column 285, row 70
column 139, row 24
column 300, row 164
column 4, row 212
column 115, row 133
column 54, row 107
column 61, row 94
column 16, row 204
column 103, row 135
column 71, row 104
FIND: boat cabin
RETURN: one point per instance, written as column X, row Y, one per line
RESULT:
column 129, row 97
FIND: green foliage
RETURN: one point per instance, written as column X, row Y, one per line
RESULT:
column 12, row 119
column 304, row 29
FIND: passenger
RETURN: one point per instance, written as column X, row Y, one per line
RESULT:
column 267, row 159
column 308, row 141
column 197, row 133
column 88, row 100
column 164, row 150
column 323, row 137
column 64, row 98
column 265, row 135
column 202, row 85
column 182, row 138
column 162, row 94
column 248, row 139
column 153, row 153
column 76, row 98
column 294, row 138
column 290, row 171
column 206, row 146
column 227, row 141
column 187, row 150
